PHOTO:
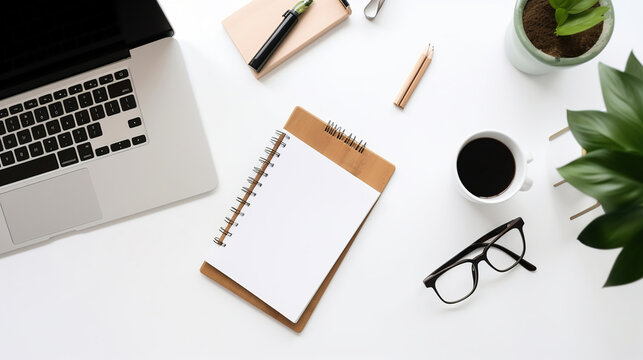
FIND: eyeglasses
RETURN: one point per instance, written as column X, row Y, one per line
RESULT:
column 457, row 279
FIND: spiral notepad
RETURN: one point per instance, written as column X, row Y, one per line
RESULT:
column 301, row 208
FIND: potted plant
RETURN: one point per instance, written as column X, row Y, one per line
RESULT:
column 545, row 35
column 612, row 169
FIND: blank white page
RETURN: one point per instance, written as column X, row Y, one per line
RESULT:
column 301, row 219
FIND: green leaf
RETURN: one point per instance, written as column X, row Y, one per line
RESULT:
column 560, row 3
column 613, row 178
column 579, row 6
column 622, row 93
column 560, row 15
column 613, row 230
column 634, row 67
column 628, row 266
column 583, row 21
column 599, row 130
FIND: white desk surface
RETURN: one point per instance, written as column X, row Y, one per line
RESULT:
column 132, row 289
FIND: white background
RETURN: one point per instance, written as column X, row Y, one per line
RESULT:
column 132, row 289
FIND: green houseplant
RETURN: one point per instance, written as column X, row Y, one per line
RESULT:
column 575, row 16
column 612, row 170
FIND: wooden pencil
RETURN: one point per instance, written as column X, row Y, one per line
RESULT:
column 414, row 78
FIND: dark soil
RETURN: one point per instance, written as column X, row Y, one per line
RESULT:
column 540, row 26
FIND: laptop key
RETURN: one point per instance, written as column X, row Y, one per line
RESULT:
column 90, row 84
column 70, row 104
column 60, row 94
column 21, row 153
column 28, row 169
column 127, row 102
column 10, row 141
column 24, row 136
column 120, row 145
column 79, row 135
column 119, row 88
column 38, row 132
column 27, row 119
column 85, row 100
column 97, row 112
column 53, row 127
column 12, row 124
column 56, row 109
column 103, row 150
column 85, row 151
column 75, row 89
column 82, row 117
column 45, row 99
column 50, row 144
column 121, row 74
column 112, row 108
column 138, row 139
column 3, row 130
column 41, row 114
column 67, row 157
column 36, row 149
column 94, row 130
column 7, row 159
column 100, row 95
column 15, row 109
column 4, row 113
column 67, row 122
column 65, row 140
column 134, row 122
column 29, row 104
column 106, row 79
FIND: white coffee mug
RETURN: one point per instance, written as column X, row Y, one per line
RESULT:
column 520, row 181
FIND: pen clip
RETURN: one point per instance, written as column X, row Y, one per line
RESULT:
column 346, row 6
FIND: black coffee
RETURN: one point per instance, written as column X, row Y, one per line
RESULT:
column 486, row 167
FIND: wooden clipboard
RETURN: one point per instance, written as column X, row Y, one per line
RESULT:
column 250, row 27
column 366, row 165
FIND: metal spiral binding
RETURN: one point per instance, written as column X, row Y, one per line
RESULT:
column 337, row 132
column 259, row 172
column 249, row 191
column 252, row 181
column 263, row 160
column 236, row 211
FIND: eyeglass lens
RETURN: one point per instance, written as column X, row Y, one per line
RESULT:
column 498, row 256
column 456, row 283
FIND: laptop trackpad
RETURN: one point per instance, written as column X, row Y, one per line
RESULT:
column 51, row 206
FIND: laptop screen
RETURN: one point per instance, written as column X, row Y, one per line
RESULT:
column 44, row 41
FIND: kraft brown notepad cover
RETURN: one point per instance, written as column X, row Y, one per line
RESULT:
column 250, row 27
column 367, row 166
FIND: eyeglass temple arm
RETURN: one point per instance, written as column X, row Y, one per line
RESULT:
column 476, row 245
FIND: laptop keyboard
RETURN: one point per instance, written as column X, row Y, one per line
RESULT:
column 86, row 121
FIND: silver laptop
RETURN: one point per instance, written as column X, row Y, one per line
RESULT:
column 97, row 117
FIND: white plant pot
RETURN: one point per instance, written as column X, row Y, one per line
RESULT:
column 525, row 57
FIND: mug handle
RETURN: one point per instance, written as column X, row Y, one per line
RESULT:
column 529, row 157
column 526, row 185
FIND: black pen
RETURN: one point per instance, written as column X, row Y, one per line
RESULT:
column 290, row 19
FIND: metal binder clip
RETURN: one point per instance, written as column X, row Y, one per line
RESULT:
column 373, row 8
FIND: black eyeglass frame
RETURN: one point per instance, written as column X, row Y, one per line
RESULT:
column 493, row 235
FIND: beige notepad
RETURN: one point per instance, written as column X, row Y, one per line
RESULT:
column 250, row 27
